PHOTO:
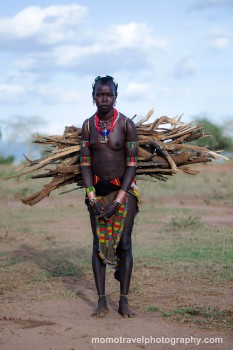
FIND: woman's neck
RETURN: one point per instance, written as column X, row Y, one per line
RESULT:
column 105, row 116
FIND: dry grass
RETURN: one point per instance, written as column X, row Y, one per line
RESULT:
column 180, row 261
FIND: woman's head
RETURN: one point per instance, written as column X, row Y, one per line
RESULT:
column 104, row 92
column 104, row 80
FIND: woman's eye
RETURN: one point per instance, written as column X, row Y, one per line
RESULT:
column 102, row 95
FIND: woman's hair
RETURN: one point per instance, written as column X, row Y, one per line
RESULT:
column 103, row 80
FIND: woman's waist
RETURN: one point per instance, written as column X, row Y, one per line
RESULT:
column 107, row 180
column 107, row 184
column 108, row 173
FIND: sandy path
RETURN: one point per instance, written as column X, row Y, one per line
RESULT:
column 67, row 325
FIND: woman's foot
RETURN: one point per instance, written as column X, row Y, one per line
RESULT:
column 102, row 308
column 124, row 309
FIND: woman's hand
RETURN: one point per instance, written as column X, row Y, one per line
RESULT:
column 98, row 208
column 109, row 211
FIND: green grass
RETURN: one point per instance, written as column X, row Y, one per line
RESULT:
column 54, row 262
column 210, row 186
column 185, row 223
column 187, row 239
column 206, row 317
column 185, row 247
column 152, row 308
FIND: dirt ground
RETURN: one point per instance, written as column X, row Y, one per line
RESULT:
column 41, row 312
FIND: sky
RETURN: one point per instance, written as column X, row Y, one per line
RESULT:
column 173, row 55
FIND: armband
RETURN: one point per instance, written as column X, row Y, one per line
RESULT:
column 131, row 144
column 131, row 161
column 85, row 143
column 85, row 161
column 90, row 189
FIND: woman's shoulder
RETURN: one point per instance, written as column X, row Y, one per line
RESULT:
column 123, row 118
column 121, row 115
column 127, row 121
column 87, row 121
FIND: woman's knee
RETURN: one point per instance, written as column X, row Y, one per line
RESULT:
column 125, row 242
column 95, row 246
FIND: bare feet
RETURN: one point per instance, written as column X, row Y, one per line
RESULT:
column 102, row 308
column 124, row 310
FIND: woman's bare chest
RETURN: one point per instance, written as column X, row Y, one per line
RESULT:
column 113, row 140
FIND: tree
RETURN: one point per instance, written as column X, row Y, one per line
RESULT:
column 20, row 129
column 5, row 160
column 217, row 139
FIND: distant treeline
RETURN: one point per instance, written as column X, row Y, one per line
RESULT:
column 217, row 139
column 7, row 160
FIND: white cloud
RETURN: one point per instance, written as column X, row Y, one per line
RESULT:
column 219, row 38
column 136, row 89
column 16, row 76
column 185, row 68
column 49, row 25
column 12, row 93
column 49, row 93
column 73, row 55
column 127, row 45
column 172, row 93
column 48, row 41
column 52, row 94
column 59, row 25
column 221, row 43
column 133, row 35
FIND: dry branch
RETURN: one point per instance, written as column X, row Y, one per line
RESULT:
column 163, row 151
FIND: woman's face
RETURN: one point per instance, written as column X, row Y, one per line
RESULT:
column 104, row 96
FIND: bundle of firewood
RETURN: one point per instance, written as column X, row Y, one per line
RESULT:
column 163, row 150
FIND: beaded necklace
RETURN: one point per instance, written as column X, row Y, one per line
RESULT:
column 104, row 133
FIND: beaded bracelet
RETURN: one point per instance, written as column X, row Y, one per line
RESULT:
column 121, row 196
column 91, row 195
column 90, row 189
column 93, row 201
column 117, row 204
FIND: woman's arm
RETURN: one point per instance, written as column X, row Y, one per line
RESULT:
column 86, row 156
column 86, row 169
column 131, row 155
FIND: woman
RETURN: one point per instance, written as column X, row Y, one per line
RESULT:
column 108, row 160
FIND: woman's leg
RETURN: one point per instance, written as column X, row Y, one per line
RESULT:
column 126, row 257
column 98, row 270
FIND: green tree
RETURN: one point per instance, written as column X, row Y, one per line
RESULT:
column 21, row 129
column 6, row 160
column 217, row 139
